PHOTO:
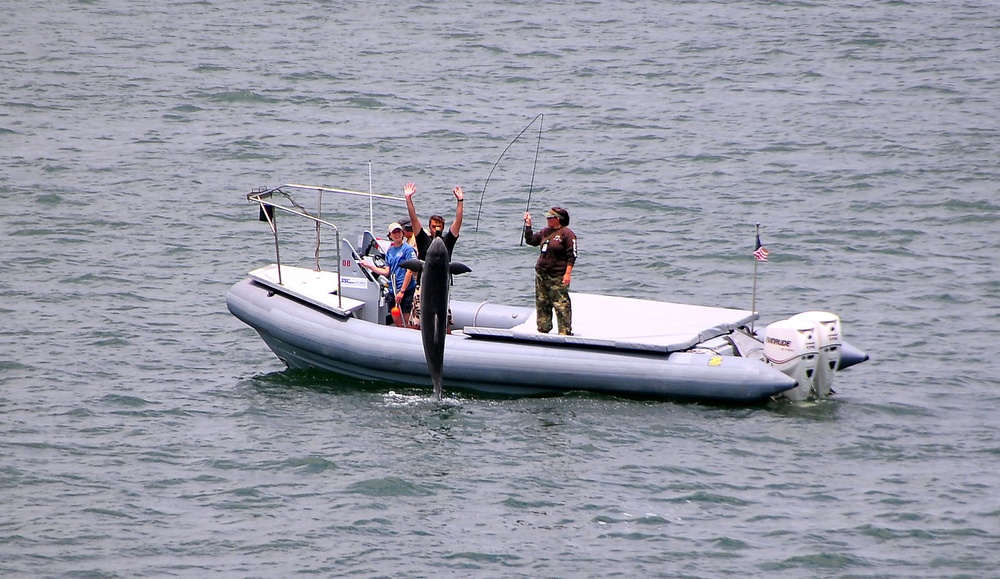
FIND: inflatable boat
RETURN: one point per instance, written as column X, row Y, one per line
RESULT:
column 338, row 320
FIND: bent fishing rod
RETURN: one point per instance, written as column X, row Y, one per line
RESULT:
column 540, row 117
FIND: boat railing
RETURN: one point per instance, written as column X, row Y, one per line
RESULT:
column 269, row 203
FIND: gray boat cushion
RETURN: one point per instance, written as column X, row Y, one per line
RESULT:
column 629, row 324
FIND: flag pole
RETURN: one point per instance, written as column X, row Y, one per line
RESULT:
column 753, row 299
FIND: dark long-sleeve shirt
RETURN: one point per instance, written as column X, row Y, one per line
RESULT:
column 557, row 248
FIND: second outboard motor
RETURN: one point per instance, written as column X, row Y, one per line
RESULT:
column 790, row 346
column 828, row 343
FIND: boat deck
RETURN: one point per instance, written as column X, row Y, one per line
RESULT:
column 599, row 321
column 308, row 285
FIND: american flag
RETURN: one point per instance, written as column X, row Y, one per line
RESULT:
column 760, row 252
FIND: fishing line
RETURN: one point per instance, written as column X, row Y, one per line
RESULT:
column 534, row 164
column 483, row 195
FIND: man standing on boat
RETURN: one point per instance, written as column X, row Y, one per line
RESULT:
column 408, row 232
column 435, row 225
column 423, row 238
column 553, row 270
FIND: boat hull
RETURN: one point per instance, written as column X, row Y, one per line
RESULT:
column 305, row 336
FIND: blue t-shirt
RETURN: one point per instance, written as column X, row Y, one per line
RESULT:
column 395, row 256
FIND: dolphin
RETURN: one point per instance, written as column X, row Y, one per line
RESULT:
column 435, row 282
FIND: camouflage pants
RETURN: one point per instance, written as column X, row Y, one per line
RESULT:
column 550, row 293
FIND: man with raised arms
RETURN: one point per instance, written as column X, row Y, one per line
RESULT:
column 424, row 237
column 435, row 225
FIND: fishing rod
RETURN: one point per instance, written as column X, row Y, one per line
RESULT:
column 539, row 117
column 531, row 183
